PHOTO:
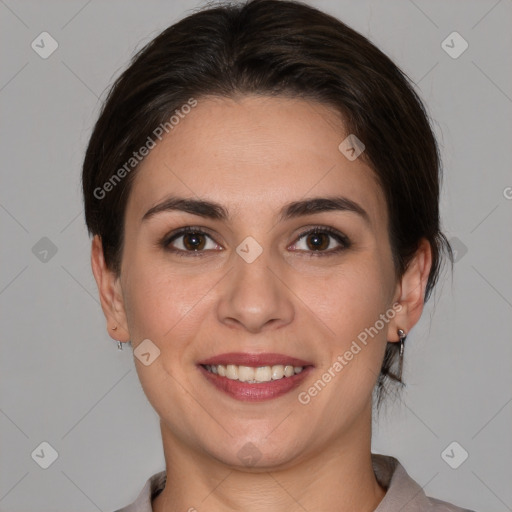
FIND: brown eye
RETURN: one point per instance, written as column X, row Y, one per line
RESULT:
column 317, row 241
column 321, row 241
column 194, row 241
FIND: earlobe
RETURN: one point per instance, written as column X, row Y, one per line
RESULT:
column 111, row 298
column 411, row 291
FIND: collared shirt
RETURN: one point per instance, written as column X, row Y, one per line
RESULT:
column 403, row 494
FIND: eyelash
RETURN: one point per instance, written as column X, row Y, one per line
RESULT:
column 340, row 238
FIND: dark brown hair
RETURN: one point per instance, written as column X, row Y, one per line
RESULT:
column 282, row 48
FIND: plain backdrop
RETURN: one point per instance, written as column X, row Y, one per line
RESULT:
column 63, row 381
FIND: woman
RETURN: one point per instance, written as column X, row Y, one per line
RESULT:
column 262, row 188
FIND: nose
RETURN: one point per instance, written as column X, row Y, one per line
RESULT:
column 254, row 296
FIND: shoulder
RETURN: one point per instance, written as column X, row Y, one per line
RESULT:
column 443, row 506
column 153, row 486
column 402, row 492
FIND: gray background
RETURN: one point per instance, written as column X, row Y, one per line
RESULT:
column 63, row 379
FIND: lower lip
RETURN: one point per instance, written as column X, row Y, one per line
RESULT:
column 256, row 392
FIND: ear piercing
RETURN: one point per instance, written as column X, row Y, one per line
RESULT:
column 119, row 344
column 401, row 336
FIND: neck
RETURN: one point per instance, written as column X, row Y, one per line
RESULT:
column 338, row 478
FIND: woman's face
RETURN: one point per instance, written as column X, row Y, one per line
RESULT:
column 253, row 289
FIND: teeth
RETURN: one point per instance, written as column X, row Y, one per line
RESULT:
column 232, row 372
column 277, row 372
column 263, row 374
column 253, row 375
column 245, row 373
column 288, row 371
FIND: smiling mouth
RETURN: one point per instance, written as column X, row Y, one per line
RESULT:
column 255, row 383
column 253, row 375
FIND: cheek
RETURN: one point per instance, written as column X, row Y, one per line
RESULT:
column 159, row 297
column 163, row 306
column 353, row 296
column 351, row 305
column 154, row 297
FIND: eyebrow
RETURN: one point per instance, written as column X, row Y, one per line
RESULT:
column 215, row 211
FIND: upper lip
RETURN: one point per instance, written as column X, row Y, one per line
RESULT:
column 254, row 360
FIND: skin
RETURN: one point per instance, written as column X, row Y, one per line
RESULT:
column 252, row 155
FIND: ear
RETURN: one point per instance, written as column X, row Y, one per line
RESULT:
column 111, row 296
column 410, row 292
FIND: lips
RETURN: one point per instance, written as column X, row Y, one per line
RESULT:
column 254, row 360
column 252, row 391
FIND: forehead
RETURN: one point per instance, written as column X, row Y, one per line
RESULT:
column 254, row 153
